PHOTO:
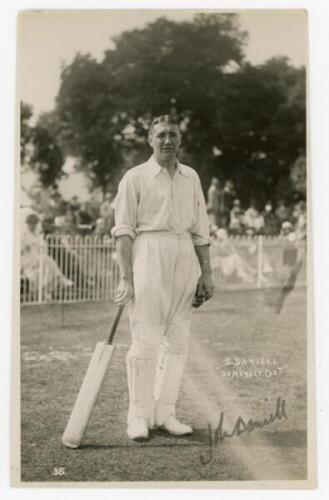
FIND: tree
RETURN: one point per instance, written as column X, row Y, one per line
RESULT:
column 107, row 106
column 39, row 149
column 245, row 123
column 25, row 132
column 47, row 158
column 261, row 127
column 90, row 121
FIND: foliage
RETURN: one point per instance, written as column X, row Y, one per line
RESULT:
column 25, row 131
column 298, row 175
column 261, row 127
column 107, row 106
column 39, row 149
column 245, row 123
column 87, row 108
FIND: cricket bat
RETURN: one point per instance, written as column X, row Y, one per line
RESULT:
column 90, row 388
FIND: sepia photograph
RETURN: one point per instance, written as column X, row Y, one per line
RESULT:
column 163, row 290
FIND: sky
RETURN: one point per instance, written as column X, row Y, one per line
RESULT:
column 47, row 40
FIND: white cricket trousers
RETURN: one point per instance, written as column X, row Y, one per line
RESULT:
column 165, row 271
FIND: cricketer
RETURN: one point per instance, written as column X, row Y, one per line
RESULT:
column 162, row 236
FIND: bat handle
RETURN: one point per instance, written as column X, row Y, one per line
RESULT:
column 110, row 337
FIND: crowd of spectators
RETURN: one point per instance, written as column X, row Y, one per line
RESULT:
column 62, row 266
column 225, row 211
column 72, row 217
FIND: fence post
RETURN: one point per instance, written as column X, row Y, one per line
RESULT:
column 259, row 260
column 40, row 266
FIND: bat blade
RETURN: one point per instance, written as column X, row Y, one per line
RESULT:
column 87, row 396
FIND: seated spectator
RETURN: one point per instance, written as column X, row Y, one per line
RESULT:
column 250, row 232
column 213, row 230
column 70, row 219
column 60, row 217
column 84, row 214
column 253, row 219
column 271, row 221
column 287, row 231
column 106, row 212
column 55, row 203
column 236, row 218
column 225, row 257
column 65, row 220
column 75, row 205
column 34, row 260
column 48, row 225
column 100, row 227
column 85, row 220
column 282, row 212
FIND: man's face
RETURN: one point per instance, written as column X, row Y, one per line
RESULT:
column 32, row 224
column 165, row 140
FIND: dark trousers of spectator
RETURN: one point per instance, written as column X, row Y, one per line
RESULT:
column 221, row 219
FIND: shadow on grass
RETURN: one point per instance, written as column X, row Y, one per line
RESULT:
column 197, row 438
column 217, row 310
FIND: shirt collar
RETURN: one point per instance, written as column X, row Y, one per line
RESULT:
column 155, row 168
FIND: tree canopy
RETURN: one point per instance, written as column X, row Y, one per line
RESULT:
column 245, row 123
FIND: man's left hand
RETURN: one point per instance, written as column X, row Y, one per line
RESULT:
column 207, row 281
column 204, row 290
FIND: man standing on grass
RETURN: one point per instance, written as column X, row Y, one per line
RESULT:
column 162, row 235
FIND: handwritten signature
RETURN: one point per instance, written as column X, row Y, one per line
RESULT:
column 240, row 427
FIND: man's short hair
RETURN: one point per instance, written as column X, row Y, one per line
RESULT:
column 31, row 218
column 171, row 119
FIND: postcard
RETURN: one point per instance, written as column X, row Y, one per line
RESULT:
column 163, row 302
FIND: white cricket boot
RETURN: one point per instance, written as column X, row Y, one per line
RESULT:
column 138, row 428
column 168, row 380
column 173, row 426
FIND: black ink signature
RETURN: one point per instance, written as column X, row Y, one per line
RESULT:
column 240, row 427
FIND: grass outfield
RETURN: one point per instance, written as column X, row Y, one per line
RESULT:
column 233, row 329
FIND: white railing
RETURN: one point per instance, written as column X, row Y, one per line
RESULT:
column 265, row 261
column 90, row 263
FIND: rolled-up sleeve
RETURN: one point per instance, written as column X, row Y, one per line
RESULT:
column 200, row 231
column 125, row 208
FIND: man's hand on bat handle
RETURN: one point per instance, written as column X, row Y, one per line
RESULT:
column 124, row 292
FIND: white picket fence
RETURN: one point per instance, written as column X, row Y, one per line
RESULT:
column 90, row 263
